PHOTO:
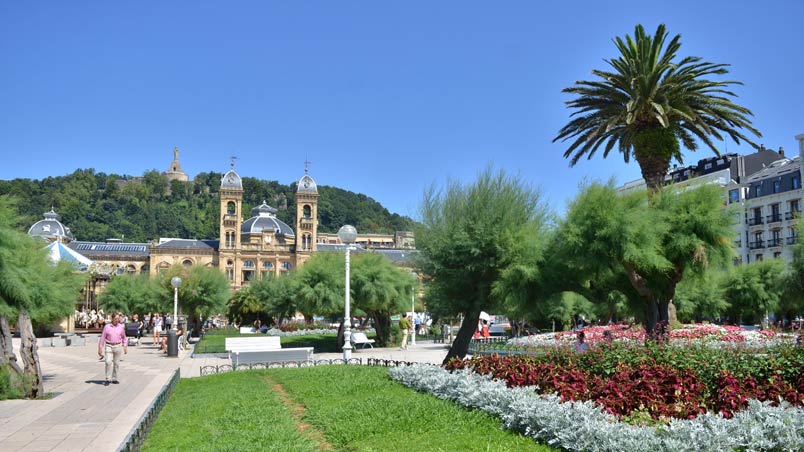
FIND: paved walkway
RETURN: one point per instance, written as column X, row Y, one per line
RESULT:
column 85, row 415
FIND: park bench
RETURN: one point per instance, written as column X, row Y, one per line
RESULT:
column 264, row 349
column 247, row 330
column 359, row 338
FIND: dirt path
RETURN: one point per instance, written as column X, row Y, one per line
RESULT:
column 297, row 411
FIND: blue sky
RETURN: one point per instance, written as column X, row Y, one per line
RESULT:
column 384, row 98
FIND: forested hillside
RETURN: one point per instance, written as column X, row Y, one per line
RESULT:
column 97, row 206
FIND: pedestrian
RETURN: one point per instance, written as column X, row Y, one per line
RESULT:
column 157, row 328
column 168, row 322
column 113, row 345
column 404, row 326
column 580, row 344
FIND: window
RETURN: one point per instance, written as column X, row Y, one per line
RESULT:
column 796, row 182
column 758, row 191
column 759, row 258
column 267, row 265
column 231, row 208
column 777, row 186
column 734, row 196
column 708, row 166
column 187, row 262
column 794, row 206
column 286, row 265
column 307, row 211
column 131, row 269
column 231, row 274
column 248, row 264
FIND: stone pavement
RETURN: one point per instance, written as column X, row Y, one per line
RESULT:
column 85, row 415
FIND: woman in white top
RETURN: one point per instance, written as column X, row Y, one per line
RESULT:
column 157, row 329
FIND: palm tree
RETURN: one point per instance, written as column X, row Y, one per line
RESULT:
column 649, row 104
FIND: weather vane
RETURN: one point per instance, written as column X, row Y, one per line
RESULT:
column 306, row 164
column 232, row 160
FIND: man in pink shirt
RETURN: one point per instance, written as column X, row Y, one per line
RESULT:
column 113, row 341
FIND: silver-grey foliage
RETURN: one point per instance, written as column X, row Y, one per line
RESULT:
column 584, row 426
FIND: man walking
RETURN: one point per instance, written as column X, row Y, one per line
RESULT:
column 113, row 344
column 404, row 325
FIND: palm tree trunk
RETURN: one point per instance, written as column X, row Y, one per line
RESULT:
column 460, row 346
column 8, row 359
column 30, row 357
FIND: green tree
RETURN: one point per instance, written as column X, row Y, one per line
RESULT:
column 653, row 244
column 754, row 290
column 133, row 294
column 380, row 289
column 204, row 292
column 34, row 290
column 702, row 296
column 649, row 103
column 469, row 233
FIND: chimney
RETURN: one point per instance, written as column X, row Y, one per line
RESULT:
column 781, row 151
column 761, row 148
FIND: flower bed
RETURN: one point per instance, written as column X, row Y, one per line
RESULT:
column 585, row 426
column 651, row 382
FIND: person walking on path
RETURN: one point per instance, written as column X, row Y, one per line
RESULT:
column 113, row 344
column 404, row 325
column 157, row 329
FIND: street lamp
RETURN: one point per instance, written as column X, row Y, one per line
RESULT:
column 348, row 235
column 413, row 307
column 175, row 282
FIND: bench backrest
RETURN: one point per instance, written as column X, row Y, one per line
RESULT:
column 359, row 337
column 258, row 343
column 247, row 330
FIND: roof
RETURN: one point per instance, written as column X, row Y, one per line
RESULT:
column 190, row 244
column 231, row 180
column 95, row 250
column 776, row 168
column 399, row 256
column 264, row 219
column 307, row 185
column 50, row 227
column 57, row 251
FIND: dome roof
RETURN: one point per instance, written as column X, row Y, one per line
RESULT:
column 307, row 185
column 264, row 219
column 231, row 180
column 50, row 228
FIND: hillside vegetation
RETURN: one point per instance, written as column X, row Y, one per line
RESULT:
column 97, row 206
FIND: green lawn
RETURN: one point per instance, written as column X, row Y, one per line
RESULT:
column 356, row 408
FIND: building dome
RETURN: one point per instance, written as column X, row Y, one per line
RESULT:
column 50, row 228
column 231, row 180
column 307, row 185
column 264, row 219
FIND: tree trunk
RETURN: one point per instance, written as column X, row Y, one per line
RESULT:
column 460, row 346
column 30, row 357
column 339, row 340
column 382, row 326
column 8, row 359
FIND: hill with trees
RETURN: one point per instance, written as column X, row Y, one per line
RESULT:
column 97, row 206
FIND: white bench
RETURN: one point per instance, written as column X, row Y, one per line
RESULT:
column 264, row 349
column 360, row 338
column 247, row 330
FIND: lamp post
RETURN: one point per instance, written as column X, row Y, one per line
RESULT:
column 175, row 282
column 347, row 234
column 413, row 308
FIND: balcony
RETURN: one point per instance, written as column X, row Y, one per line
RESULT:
column 774, row 242
column 791, row 215
column 792, row 240
column 756, row 221
column 755, row 245
column 774, row 218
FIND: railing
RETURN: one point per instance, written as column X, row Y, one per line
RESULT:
column 792, row 240
column 774, row 242
column 756, row 221
column 793, row 214
column 137, row 435
column 774, row 218
column 223, row 368
column 756, row 245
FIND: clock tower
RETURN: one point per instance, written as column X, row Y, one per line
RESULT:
column 231, row 218
column 306, row 217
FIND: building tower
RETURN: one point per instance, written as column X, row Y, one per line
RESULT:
column 175, row 172
column 231, row 197
column 306, row 217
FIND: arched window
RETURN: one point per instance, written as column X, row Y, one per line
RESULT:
column 187, row 262
column 248, row 264
column 231, row 208
column 267, row 265
column 131, row 269
column 307, row 211
column 229, row 263
column 230, row 239
column 286, row 265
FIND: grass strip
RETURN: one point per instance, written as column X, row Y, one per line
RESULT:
column 360, row 409
column 229, row 412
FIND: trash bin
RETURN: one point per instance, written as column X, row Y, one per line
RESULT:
column 172, row 344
